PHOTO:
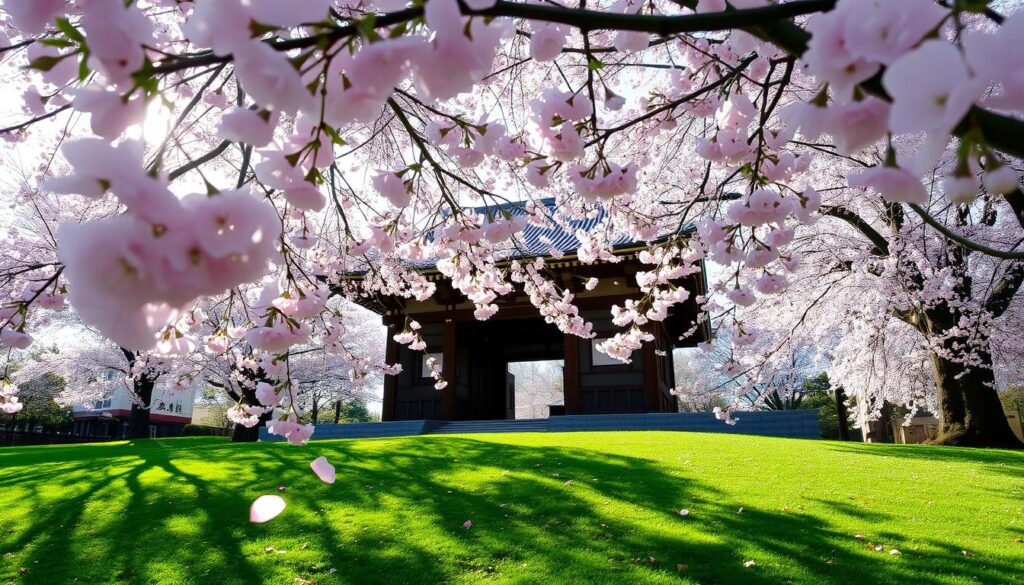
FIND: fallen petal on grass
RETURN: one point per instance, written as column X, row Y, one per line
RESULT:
column 265, row 509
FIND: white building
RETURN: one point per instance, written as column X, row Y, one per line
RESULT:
column 168, row 413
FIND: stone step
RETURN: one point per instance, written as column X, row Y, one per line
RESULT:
column 491, row 426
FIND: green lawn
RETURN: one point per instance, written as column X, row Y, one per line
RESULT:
column 546, row 508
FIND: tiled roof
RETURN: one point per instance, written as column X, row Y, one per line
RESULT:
column 539, row 241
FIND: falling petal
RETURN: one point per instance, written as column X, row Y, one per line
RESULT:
column 467, row 524
column 265, row 508
column 684, row 512
column 895, row 552
column 323, row 469
column 749, row 564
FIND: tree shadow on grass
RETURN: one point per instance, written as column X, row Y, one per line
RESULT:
column 523, row 511
column 109, row 526
column 1000, row 461
column 151, row 513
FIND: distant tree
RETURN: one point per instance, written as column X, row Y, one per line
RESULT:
column 818, row 395
column 37, row 395
column 355, row 411
column 700, row 385
column 785, row 387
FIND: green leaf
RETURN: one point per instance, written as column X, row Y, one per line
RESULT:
column 972, row 5
column 46, row 62
column 145, row 80
column 83, row 67
column 64, row 25
column 293, row 159
column 335, row 137
column 57, row 42
column 398, row 30
column 594, row 64
column 257, row 29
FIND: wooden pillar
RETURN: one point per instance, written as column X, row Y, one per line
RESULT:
column 387, row 411
column 449, row 370
column 650, row 358
column 571, row 373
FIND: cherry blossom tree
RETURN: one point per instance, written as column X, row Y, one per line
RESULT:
column 176, row 152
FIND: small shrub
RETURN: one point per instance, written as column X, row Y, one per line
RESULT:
column 191, row 430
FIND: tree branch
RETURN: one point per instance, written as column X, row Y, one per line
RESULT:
column 966, row 243
column 881, row 244
column 1002, row 295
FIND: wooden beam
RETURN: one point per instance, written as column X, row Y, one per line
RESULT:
column 571, row 374
column 387, row 411
column 449, row 370
column 650, row 358
column 517, row 311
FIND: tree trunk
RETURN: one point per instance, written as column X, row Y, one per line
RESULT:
column 138, row 421
column 844, row 417
column 244, row 434
column 315, row 410
column 337, row 412
column 970, row 413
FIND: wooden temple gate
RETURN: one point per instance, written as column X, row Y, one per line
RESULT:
column 475, row 354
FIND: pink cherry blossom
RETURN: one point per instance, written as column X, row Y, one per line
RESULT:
column 741, row 296
column 231, row 222
column 116, row 34
column 248, row 126
column 295, row 432
column 883, row 31
column 547, row 41
column 97, row 167
column 9, row 403
column 305, row 196
column 288, row 14
column 110, row 113
column 267, row 394
column 222, row 26
column 828, row 56
column 710, row 6
column 894, row 184
column 33, row 16
column 961, row 189
column 993, row 56
column 1001, row 181
column 278, row 338
column 15, row 339
column 455, row 61
column 931, row 89
column 270, row 78
column 857, row 125
column 631, row 42
column 770, row 283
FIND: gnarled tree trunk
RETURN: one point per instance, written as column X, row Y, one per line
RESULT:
column 138, row 421
column 970, row 413
column 244, row 434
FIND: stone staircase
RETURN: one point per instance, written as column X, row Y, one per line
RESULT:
column 526, row 425
column 782, row 423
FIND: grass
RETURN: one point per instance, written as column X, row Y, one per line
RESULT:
column 546, row 508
